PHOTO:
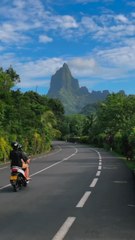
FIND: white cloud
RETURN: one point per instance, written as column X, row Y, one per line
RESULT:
column 19, row 4
column 121, row 18
column 90, row 68
column 105, row 65
column 59, row 22
column 30, row 83
column 122, row 57
column 45, row 39
column 37, row 73
column 40, row 68
column 9, row 34
column 86, row 1
column 66, row 22
column 82, row 66
column 24, row 19
column 8, row 59
column 89, row 24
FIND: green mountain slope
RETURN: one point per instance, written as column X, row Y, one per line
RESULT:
column 66, row 88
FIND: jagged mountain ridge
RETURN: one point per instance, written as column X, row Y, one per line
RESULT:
column 66, row 88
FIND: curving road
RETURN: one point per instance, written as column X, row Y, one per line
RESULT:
column 76, row 193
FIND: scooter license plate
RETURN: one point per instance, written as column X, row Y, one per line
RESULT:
column 13, row 178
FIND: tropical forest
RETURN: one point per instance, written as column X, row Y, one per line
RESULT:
column 36, row 120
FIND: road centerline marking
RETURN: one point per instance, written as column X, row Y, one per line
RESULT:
column 64, row 229
column 94, row 182
column 99, row 167
column 84, row 198
column 98, row 173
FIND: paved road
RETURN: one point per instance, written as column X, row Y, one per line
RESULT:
column 76, row 193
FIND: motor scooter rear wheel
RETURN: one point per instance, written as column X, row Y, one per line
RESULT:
column 17, row 185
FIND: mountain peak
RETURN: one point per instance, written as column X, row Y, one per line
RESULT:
column 62, row 80
column 65, row 70
column 66, row 88
column 65, row 66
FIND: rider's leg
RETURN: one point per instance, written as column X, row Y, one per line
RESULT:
column 26, row 170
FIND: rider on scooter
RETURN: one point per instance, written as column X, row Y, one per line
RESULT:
column 26, row 160
column 16, row 157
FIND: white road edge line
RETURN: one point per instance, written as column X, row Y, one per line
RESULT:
column 48, row 154
column 64, row 228
column 3, row 168
column 5, row 186
column 44, row 169
column 94, row 182
column 83, row 199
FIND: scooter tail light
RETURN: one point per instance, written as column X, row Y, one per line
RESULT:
column 14, row 170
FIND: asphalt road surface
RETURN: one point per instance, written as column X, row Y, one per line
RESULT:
column 76, row 193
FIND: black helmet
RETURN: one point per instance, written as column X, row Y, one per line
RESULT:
column 14, row 145
column 19, row 146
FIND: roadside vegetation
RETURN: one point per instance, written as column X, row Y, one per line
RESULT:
column 112, row 126
column 28, row 118
column 35, row 120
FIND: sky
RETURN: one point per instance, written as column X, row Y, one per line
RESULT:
column 96, row 38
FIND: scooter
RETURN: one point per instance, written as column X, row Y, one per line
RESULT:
column 17, row 178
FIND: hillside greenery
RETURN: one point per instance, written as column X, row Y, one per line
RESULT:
column 111, row 126
column 35, row 120
column 29, row 118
